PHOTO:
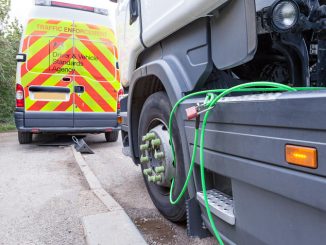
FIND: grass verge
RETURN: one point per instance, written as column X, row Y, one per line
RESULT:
column 7, row 127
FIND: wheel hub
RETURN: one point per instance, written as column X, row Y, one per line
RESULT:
column 157, row 156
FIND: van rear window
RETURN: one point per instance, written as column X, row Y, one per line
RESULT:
column 67, row 47
column 96, row 59
column 50, row 55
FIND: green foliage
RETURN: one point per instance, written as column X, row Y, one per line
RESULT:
column 7, row 127
column 10, row 33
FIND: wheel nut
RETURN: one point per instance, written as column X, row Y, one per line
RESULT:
column 149, row 136
column 157, row 178
column 159, row 169
column 158, row 155
column 144, row 159
column 147, row 171
column 151, row 178
column 156, row 142
column 144, row 147
column 144, row 138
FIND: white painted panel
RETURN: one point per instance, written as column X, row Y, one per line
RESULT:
column 129, row 44
column 56, row 13
column 161, row 18
column 260, row 4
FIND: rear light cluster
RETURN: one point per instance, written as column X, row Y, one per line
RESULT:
column 120, row 94
column 71, row 6
column 19, row 96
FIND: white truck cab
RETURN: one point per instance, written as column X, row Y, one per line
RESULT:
column 157, row 22
column 256, row 194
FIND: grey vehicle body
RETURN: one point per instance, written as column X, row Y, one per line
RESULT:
column 274, row 202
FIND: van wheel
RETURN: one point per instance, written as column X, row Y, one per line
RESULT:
column 154, row 119
column 25, row 137
column 112, row 136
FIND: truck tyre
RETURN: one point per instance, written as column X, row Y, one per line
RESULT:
column 112, row 136
column 156, row 110
column 25, row 137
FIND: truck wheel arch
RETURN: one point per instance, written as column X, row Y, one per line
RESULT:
column 161, row 77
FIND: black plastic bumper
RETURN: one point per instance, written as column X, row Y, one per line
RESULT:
column 20, row 125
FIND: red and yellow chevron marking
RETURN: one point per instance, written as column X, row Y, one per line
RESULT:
column 95, row 32
column 85, row 52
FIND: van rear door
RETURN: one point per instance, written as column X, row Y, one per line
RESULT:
column 96, row 77
column 47, row 74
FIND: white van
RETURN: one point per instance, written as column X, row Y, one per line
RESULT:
column 67, row 76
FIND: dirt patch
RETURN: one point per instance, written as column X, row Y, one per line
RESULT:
column 156, row 230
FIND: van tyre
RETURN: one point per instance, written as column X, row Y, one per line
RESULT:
column 112, row 136
column 156, row 111
column 25, row 137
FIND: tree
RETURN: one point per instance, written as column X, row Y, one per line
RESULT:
column 10, row 34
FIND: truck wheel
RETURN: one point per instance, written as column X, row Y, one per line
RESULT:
column 25, row 137
column 158, row 170
column 112, row 136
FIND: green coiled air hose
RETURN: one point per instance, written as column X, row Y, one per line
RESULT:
column 211, row 101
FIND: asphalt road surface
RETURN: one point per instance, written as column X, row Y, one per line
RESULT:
column 43, row 195
column 123, row 180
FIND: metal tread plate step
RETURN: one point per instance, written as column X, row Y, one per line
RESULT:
column 221, row 205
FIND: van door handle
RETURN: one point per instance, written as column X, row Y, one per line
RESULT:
column 133, row 7
column 66, row 79
column 79, row 89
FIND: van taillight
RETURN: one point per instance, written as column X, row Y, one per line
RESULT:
column 120, row 94
column 20, row 96
column 71, row 6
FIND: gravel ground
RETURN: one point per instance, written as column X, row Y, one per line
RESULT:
column 123, row 180
column 42, row 194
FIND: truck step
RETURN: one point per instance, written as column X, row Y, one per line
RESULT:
column 220, row 204
column 252, row 97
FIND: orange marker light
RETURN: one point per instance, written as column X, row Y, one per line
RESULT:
column 120, row 120
column 301, row 155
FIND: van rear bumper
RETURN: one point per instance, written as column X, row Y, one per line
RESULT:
column 68, row 130
column 20, row 118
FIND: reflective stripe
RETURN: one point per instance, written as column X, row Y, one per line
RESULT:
column 65, row 106
column 94, row 73
column 104, row 62
column 33, row 78
column 89, row 101
column 41, row 57
column 101, row 32
column 101, row 74
column 29, row 41
column 107, row 94
column 81, row 105
column 51, row 56
column 106, row 105
column 105, row 50
column 97, row 69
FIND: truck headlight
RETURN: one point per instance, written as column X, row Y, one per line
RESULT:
column 284, row 15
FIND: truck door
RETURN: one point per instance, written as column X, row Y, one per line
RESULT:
column 128, row 32
column 96, row 77
column 47, row 74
